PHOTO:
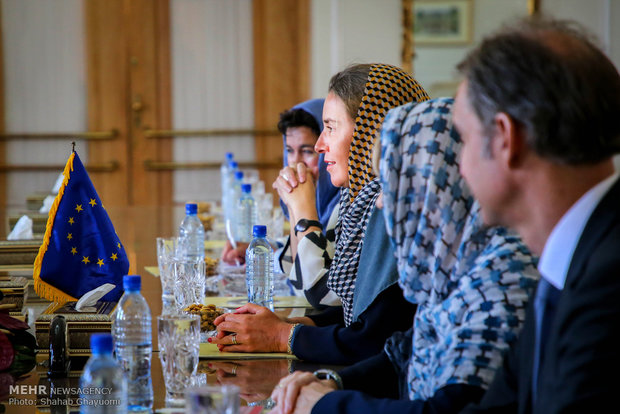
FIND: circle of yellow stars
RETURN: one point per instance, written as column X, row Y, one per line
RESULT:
column 85, row 259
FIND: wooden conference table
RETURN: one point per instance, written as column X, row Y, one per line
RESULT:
column 138, row 228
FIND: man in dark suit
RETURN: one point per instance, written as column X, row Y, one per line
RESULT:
column 539, row 115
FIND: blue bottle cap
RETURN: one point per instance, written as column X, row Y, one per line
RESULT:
column 239, row 175
column 132, row 283
column 233, row 164
column 101, row 343
column 191, row 209
column 229, row 156
column 246, row 188
column 259, row 230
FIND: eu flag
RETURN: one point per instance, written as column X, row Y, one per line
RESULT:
column 80, row 249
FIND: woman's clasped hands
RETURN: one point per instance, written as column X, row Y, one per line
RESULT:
column 295, row 186
column 299, row 392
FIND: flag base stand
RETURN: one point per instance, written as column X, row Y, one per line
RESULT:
column 80, row 326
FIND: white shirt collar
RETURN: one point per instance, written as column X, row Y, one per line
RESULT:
column 558, row 251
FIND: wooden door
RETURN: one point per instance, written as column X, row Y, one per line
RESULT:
column 128, row 88
column 281, row 69
column 128, row 66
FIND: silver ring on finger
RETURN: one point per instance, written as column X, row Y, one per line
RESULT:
column 234, row 338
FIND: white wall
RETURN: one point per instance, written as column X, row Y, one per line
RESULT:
column 434, row 66
column 349, row 31
column 45, row 87
column 355, row 31
column 345, row 32
column 212, row 88
column 212, row 71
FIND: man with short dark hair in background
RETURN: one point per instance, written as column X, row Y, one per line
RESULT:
column 539, row 114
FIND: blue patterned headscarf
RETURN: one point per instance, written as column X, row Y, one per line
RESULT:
column 327, row 196
column 471, row 282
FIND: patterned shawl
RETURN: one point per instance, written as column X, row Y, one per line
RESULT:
column 471, row 282
column 387, row 87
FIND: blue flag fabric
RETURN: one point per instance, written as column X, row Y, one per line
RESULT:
column 80, row 249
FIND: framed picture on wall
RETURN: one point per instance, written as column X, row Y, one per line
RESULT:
column 442, row 22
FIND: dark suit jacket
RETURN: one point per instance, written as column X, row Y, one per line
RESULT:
column 581, row 369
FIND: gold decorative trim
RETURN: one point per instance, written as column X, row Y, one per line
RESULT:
column 174, row 166
column 109, row 166
column 12, row 246
column 87, row 136
column 18, row 254
column 407, row 52
column 167, row 133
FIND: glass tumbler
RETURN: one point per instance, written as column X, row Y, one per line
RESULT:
column 179, row 346
column 212, row 399
column 189, row 282
column 166, row 254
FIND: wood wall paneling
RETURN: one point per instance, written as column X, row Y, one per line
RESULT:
column 163, row 85
column 107, row 81
column 129, row 90
column 3, row 160
column 149, row 78
column 281, row 69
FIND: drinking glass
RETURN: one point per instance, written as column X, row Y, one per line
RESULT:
column 258, row 188
column 179, row 346
column 264, row 205
column 250, row 176
column 189, row 281
column 276, row 230
column 212, row 399
column 166, row 254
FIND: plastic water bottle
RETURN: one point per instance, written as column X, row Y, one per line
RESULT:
column 227, row 206
column 246, row 214
column 192, row 234
column 225, row 169
column 132, row 338
column 234, row 196
column 225, row 177
column 259, row 269
column 103, row 384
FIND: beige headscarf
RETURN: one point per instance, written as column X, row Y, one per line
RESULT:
column 387, row 87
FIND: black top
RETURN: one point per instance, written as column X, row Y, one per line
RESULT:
column 372, row 387
column 331, row 342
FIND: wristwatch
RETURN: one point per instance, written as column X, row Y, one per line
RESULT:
column 303, row 224
column 329, row 374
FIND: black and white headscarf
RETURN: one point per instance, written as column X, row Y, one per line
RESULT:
column 387, row 87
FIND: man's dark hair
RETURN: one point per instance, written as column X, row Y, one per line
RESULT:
column 550, row 78
column 297, row 118
column 350, row 85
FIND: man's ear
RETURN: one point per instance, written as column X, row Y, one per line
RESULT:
column 509, row 141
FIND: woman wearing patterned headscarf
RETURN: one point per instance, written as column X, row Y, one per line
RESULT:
column 362, row 271
column 471, row 283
